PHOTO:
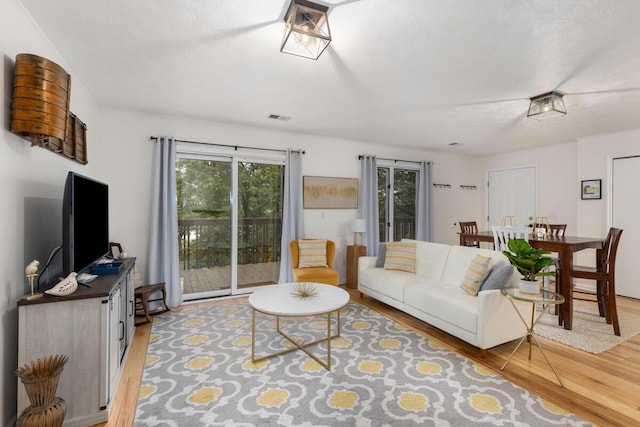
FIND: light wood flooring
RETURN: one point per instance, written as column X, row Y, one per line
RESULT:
column 603, row 389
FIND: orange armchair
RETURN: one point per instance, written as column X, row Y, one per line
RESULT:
column 327, row 275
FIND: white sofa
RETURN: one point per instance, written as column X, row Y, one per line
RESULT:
column 433, row 294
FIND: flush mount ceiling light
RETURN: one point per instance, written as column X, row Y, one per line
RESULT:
column 546, row 105
column 306, row 31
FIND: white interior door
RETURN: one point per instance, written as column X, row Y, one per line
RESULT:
column 625, row 203
column 512, row 192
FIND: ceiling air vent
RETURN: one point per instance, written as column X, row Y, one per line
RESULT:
column 279, row 117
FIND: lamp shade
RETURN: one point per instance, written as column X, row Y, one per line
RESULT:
column 546, row 105
column 358, row 225
column 306, row 30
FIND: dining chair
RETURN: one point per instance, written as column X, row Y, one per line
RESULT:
column 502, row 235
column 469, row 227
column 604, row 275
column 555, row 230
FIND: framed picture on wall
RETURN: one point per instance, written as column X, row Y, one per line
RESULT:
column 591, row 189
column 329, row 193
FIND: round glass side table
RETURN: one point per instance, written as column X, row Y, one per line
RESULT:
column 546, row 298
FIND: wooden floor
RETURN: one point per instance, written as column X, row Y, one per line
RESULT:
column 603, row 389
column 198, row 280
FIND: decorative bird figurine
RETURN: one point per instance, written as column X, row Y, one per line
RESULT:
column 66, row 286
column 32, row 267
column 31, row 270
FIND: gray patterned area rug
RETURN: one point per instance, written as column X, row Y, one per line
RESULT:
column 198, row 372
column 589, row 332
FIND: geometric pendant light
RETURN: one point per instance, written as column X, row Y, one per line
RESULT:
column 546, row 105
column 306, row 31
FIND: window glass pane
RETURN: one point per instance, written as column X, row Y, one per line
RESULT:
column 404, row 204
column 204, row 224
column 383, row 185
column 259, row 222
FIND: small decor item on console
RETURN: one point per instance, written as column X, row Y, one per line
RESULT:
column 113, row 267
column 31, row 271
column 304, row 290
column 65, row 287
column 119, row 253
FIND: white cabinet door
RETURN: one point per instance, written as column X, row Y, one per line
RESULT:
column 74, row 328
column 130, row 320
column 115, row 331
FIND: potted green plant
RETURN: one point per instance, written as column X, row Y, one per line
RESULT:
column 529, row 262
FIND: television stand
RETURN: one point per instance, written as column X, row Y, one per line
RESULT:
column 94, row 327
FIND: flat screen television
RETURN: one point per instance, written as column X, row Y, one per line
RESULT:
column 85, row 222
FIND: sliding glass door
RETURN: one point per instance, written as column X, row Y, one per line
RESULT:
column 259, row 223
column 397, row 203
column 229, row 223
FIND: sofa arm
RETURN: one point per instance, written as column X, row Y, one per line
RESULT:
column 498, row 321
column 366, row 262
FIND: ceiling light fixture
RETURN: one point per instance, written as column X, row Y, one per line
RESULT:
column 546, row 105
column 306, row 30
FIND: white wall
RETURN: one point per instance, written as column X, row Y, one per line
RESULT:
column 25, row 172
column 594, row 161
column 125, row 163
column 594, row 158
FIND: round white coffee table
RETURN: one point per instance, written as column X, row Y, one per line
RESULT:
column 278, row 301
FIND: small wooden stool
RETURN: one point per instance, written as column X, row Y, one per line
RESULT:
column 142, row 301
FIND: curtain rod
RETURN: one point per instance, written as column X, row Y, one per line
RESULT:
column 235, row 147
column 395, row 160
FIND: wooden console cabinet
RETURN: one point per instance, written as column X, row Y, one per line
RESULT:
column 94, row 327
column 353, row 253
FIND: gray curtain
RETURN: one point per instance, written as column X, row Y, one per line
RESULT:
column 423, row 210
column 163, row 251
column 369, row 203
column 292, row 212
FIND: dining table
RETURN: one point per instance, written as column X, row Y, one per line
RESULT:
column 565, row 247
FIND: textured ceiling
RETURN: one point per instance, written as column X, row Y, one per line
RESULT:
column 411, row 73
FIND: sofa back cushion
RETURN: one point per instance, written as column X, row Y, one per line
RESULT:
column 430, row 258
column 460, row 258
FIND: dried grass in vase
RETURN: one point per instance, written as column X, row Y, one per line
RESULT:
column 304, row 290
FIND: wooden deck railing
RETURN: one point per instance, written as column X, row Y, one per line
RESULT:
column 207, row 242
column 403, row 228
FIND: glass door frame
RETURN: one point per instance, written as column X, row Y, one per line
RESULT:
column 187, row 151
column 389, row 207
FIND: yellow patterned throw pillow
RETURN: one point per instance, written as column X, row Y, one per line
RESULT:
column 400, row 256
column 476, row 273
column 312, row 253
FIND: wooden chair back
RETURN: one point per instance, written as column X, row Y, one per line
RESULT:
column 555, row 230
column 469, row 227
column 604, row 275
column 607, row 255
column 502, row 235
